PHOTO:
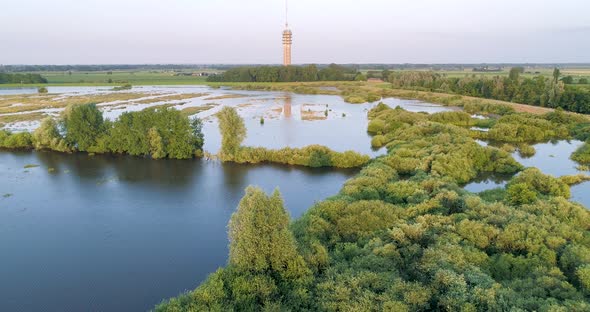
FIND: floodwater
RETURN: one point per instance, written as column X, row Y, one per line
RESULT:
column 118, row 233
column 552, row 158
column 290, row 120
column 104, row 233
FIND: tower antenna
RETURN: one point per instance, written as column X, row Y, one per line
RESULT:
column 287, row 13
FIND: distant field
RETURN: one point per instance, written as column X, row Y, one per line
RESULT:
column 530, row 72
column 117, row 78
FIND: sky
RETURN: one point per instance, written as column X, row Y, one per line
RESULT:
column 324, row 31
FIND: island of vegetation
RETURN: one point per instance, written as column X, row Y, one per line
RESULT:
column 163, row 132
column 404, row 236
column 233, row 132
column 157, row 133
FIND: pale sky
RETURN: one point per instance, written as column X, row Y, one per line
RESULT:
column 324, row 31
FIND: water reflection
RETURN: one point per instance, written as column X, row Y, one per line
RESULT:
column 100, row 227
column 551, row 158
column 287, row 105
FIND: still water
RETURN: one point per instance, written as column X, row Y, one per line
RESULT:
column 106, row 233
column 121, row 233
column 552, row 158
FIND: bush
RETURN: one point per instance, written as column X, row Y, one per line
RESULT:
column 582, row 154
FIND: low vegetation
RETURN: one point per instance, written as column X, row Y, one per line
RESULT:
column 404, row 236
column 582, row 155
column 233, row 132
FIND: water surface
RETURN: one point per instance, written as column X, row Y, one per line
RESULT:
column 122, row 233
column 552, row 158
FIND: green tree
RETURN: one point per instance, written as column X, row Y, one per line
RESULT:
column 199, row 137
column 260, row 239
column 47, row 136
column 568, row 80
column 156, row 145
column 520, row 193
column 83, row 124
column 263, row 251
column 556, row 74
column 515, row 72
column 233, row 132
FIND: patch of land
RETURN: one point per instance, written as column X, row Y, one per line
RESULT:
column 310, row 112
column 189, row 111
column 227, row 96
column 172, row 97
column 33, row 102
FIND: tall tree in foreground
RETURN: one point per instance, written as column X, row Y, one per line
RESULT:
column 263, row 252
column 260, row 239
column 233, row 132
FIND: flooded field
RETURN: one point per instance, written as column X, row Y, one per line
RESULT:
column 293, row 120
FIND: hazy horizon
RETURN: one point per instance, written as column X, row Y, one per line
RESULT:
column 345, row 31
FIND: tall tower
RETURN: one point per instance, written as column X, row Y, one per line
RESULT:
column 287, row 38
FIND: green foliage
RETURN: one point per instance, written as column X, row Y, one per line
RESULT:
column 453, row 118
column 233, row 132
column 84, row 124
column 21, row 140
column 47, row 136
column 402, row 235
column 520, row 193
column 126, row 86
column 42, row 90
column 158, row 133
column 21, row 78
column 260, row 239
column 310, row 156
column 523, row 127
column 525, row 150
column 582, row 154
column 287, row 74
column 538, row 91
column 265, row 271
column 532, row 180
column 435, row 148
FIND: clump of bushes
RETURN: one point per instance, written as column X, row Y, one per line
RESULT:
column 402, row 235
column 415, row 144
column 526, row 150
column 582, row 154
column 157, row 133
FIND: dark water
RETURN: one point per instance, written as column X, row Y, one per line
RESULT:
column 552, row 158
column 121, row 233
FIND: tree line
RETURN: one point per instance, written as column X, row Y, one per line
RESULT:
column 21, row 78
column 539, row 91
column 403, row 235
column 155, row 133
column 332, row 72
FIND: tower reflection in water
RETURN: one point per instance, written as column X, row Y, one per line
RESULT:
column 287, row 106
